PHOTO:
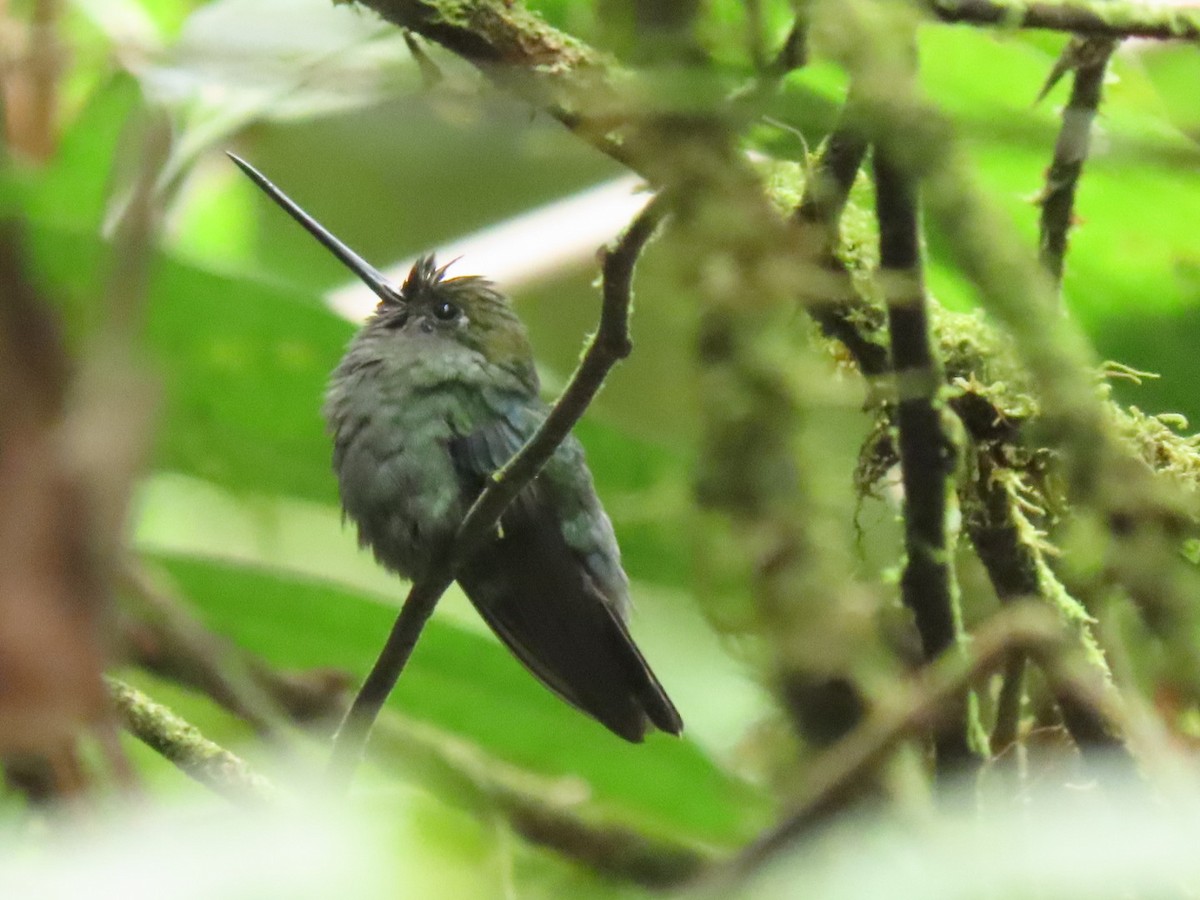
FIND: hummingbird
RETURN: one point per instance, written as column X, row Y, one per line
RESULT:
column 436, row 392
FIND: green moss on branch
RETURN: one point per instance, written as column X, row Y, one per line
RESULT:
column 181, row 743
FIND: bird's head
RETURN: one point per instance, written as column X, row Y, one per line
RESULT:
column 467, row 309
column 428, row 307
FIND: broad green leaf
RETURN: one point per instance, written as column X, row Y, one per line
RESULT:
column 468, row 684
column 1174, row 70
column 243, row 365
column 72, row 192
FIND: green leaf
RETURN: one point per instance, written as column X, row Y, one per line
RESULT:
column 72, row 192
column 243, row 363
column 1174, row 71
column 466, row 683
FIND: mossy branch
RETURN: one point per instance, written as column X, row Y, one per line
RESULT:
column 1097, row 18
column 1009, row 547
column 523, row 55
column 832, row 174
column 181, row 743
column 938, row 692
column 1089, row 58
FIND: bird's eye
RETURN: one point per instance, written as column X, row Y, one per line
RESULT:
column 445, row 310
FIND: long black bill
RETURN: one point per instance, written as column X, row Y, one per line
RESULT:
column 371, row 276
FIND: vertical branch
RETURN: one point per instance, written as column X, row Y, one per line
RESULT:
column 29, row 88
column 927, row 455
column 1089, row 57
column 764, row 485
column 828, row 186
column 1005, row 545
column 71, row 442
column 1012, row 564
column 51, row 652
column 766, row 471
column 835, row 306
column 1007, row 728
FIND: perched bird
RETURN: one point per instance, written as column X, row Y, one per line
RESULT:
column 435, row 393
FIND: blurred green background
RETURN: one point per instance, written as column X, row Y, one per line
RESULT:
column 239, row 507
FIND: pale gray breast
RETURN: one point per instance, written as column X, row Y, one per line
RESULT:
column 393, row 407
column 395, row 475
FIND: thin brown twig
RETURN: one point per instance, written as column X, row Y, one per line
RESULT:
column 612, row 850
column 1089, row 58
column 52, row 599
column 609, row 345
column 839, row 313
column 1007, row 728
column 160, row 634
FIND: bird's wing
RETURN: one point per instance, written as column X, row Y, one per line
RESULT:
column 551, row 586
